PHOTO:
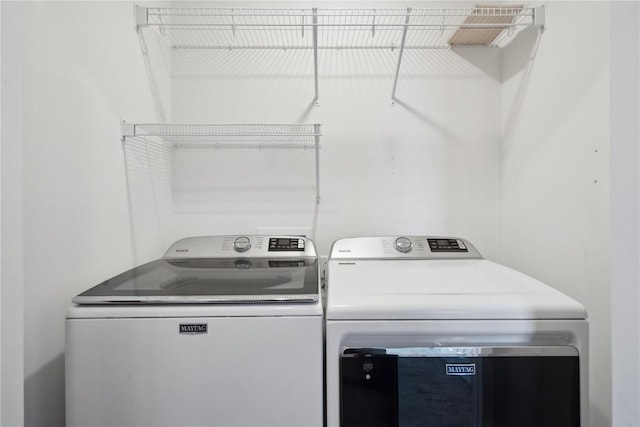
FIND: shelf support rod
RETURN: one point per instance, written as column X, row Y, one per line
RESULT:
column 373, row 24
column 233, row 23
column 316, row 131
column 316, row 99
column 404, row 38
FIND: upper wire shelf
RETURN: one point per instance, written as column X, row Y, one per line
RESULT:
column 242, row 28
column 325, row 29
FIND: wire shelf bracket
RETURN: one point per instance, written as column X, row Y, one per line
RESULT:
column 316, row 99
column 404, row 38
column 539, row 19
column 141, row 17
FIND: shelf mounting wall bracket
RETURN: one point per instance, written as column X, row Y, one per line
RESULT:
column 539, row 17
column 404, row 38
column 142, row 18
column 127, row 130
column 316, row 99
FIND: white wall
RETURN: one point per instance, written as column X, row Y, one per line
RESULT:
column 430, row 164
column 625, row 211
column 555, row 180
column 0, row 225
column 11, row 280
column 82, row 71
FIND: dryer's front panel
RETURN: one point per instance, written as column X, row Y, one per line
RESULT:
column 460, row 387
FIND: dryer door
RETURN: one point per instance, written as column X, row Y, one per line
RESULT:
column 460, row 387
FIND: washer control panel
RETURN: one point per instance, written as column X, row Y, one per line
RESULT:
column 242, row 246
column 403, row 247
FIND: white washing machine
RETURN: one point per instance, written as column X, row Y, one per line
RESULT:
column 423, row 331
column 222, row 331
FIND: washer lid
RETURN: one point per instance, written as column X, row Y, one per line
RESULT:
column 447, row 289
column 205, row 280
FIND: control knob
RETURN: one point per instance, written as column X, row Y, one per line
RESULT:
column 242, row 244
column 403, row 244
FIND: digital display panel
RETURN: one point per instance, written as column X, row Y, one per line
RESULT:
column 447, row 245
column 277, row 244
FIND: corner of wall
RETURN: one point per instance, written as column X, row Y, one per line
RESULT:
column 11, row 249
column 625, row 211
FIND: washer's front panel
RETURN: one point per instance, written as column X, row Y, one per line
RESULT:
column 194, row 371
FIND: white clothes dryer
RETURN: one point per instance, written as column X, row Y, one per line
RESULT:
column 422, row 331
column 222, row 331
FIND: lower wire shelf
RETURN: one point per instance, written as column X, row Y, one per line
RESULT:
column 264, row 136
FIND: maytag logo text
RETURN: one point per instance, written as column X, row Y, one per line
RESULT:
column 193, row 328
column 461, row 369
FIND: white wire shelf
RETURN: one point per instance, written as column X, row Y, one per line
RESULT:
column 226, row 28
column 230, row 136
column 227, row 135
column 340, row 29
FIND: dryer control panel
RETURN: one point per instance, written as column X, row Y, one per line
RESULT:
column 403, row 247
column 242, row 246
column 447, row 245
